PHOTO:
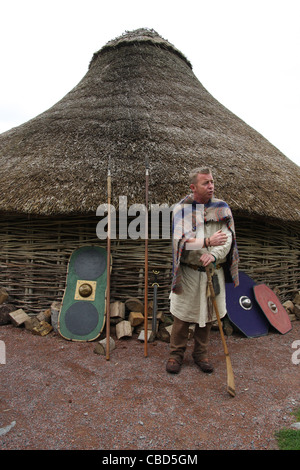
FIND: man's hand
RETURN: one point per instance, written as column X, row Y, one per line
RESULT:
column 218, row 238
column 206, row 259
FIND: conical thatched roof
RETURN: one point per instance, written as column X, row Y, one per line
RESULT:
column 140, row 98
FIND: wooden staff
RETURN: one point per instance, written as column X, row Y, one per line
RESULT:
column 230, row 376
column 108, row 261
column 146, row 263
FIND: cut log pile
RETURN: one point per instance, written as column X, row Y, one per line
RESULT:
column 293, row 307
column 40, row 324
column 126, row 320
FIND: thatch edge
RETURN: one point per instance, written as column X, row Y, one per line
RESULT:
column 147, row 36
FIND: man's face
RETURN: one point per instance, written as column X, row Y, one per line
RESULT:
column 203, row 189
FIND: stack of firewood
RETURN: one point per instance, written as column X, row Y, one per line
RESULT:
column 293, row 307
column 128, row 318
column 38, row 324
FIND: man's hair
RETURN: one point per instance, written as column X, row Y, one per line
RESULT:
column 203, row 171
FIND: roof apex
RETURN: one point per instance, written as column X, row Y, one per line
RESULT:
column 141, row 35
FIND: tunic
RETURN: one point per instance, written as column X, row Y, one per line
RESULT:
column 191, row 305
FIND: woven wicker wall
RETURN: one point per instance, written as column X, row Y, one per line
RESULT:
column 35, row 253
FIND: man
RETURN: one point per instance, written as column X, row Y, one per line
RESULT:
column 207, row 238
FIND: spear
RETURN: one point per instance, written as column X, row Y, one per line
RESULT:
column 108, row 261
column 146, row 263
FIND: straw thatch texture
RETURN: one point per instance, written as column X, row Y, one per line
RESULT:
column 140, row 98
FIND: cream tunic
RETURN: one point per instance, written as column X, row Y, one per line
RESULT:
column 191, row 304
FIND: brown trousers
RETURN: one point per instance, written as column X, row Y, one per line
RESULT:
column 179, row 339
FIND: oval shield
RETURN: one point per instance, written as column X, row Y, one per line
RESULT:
column 243, row 310
column 272, row 308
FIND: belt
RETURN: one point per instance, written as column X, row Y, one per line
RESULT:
column 198, row 268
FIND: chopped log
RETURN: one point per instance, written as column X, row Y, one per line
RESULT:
column 297, row 311
column 289, row 306
column 134, row 305
column 296, row 299
column 136, row 318
column 115, row 320
column 100, row 347
column 227, row 327
column 55, row 309
column 5, row 310
column 112, row 331
column 45, row 316
column 123, row 329
column 141, row 326
column 163, row 334
column 18, row 317
column 42, row 329
column 117, row 309
column 292, row 309
column 292, row 317
column 150, row 333
column 150, row 336
column 3, row 295
column 150, row 308
column 169, row 329
column 160, row 315
column 31, row 323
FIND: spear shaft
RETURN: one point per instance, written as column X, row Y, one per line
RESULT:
column 146, row 263
column 108, row 261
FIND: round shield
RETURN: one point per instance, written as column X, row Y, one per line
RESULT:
column 243, row 310
column 272, row 308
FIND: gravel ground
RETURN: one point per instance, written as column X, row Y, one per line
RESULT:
column 57, row 394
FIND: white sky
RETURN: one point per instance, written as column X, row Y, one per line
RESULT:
column 246, row 53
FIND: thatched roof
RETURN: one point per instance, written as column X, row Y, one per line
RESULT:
column 140, row 98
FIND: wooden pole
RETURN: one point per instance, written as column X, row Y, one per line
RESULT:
column 230, row 376
column 146, row 262
column 108, row 262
